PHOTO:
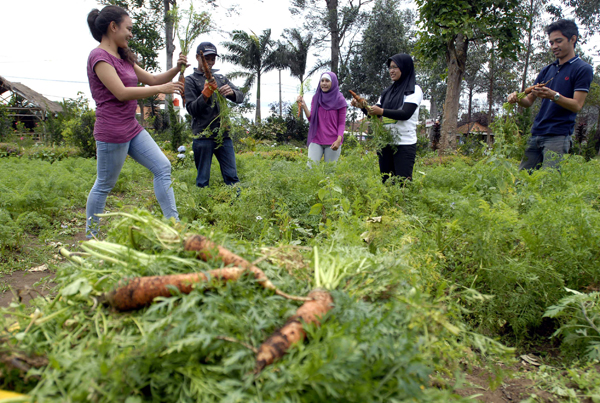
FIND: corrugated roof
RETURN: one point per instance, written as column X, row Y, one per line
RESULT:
column 32, row 96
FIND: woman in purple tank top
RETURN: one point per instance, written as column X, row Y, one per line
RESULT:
column 327, row 120
column 114, row 75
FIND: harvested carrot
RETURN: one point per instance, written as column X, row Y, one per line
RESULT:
column 540, row 85
column 362, row 103
column 299, row 108
column 207, row 72
column 292, row 332
column 182, row 81
column 141, row 291
column 207, row 250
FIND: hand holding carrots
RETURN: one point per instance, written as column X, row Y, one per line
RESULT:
column 355, row 103
column 182, row 63
column 209, row 88
column 172, row 88
column 300, row 101
column 512, row 98
column 375, row 110
column 225, row 90
column 358, row 101
column 544, row 92
column 336, row 144
column 539, row 90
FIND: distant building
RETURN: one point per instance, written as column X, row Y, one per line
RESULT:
column 33, row 108
column 482, row 133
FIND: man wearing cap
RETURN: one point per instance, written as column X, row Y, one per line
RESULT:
column 568, row 82
column 202, row 105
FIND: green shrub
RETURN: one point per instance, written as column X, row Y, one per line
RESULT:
column 9, row 149
column 269, row 129
column 50, row 153
column 79, row 132
column 10, row 231
column 579, row 315
column 5, row 123
column 33, row 222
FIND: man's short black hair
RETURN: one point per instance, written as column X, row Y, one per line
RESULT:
column 567, row 27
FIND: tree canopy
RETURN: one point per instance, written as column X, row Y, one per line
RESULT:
column 387, row 33
column 448, row 27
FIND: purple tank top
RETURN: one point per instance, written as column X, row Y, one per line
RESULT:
column 115, row 120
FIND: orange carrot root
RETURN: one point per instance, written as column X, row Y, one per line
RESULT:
column 361, row 101
column 207, row 72
column 207, row 250
column 292, row 332
column 299, row 108
column 182, row 81
column 141, row 291
column 540, row 85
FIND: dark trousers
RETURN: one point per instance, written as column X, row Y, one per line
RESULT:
column 545, row 151
column 203, row 152
column 399, row 163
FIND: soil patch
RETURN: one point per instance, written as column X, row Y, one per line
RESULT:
column 22, row 285
column 511, row 390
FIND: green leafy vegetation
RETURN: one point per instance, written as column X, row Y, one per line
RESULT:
column 425, row 277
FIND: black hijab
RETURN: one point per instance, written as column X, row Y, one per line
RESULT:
column 393, row 96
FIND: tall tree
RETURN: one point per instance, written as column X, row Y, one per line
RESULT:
column 500, row 78
column 429, row 77
column 255, row 55
column 367, row 71
column 533, row 9
column 587, row 12
column 473, row 77
column 449, row 27
column 332, row 21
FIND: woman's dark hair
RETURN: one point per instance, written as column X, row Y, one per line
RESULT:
column 567, row 27
column 99, row 21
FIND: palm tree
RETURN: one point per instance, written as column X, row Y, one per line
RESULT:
column 298, row 47
column 255, row 54
column 295, row 53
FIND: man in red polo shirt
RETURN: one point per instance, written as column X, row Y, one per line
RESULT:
column 569, row 83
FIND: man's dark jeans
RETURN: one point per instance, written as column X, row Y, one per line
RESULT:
column 545, row 152
column 203, row 151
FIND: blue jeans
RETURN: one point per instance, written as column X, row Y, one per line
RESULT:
column 316, row 151
column 545, row 152
column 111, row 157
column 203, row 151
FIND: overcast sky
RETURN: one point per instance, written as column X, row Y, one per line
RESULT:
column 45, row 45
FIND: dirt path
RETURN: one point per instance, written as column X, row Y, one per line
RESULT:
column 27, row 284
column 24, row 285
column 516, row 389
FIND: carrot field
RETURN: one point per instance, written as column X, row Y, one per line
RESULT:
column 473, row 268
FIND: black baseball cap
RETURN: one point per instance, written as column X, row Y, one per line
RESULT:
column 207, row 48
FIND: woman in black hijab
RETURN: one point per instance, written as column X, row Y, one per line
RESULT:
column 399, row 109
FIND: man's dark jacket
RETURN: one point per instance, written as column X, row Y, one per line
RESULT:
column 203, row 112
